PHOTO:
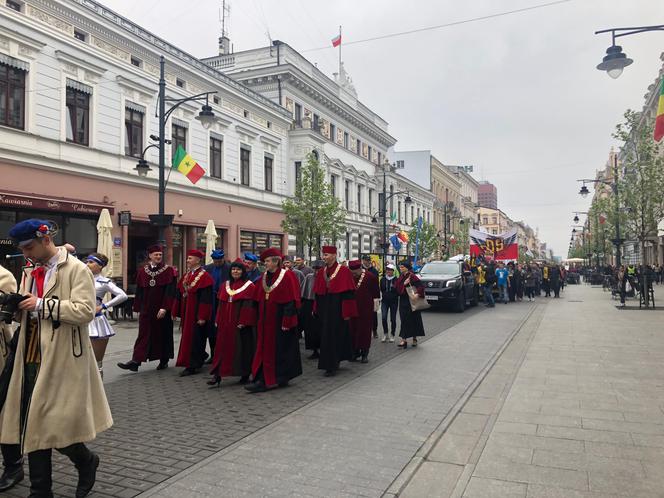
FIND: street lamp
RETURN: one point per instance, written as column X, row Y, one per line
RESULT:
column 615, row 59
column 206, row 117
column 382, row 210
column 617, row 241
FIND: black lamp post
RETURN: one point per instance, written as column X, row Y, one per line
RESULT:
column 617, row 241
column 382, row 210
column 206, row 118
column 615, row 59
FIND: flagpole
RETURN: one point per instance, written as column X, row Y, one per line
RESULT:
column 340, row 40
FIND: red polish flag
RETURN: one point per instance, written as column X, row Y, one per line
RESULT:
column 336, row 41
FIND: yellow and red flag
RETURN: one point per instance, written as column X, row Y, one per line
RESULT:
column 659, row 120
column 186, row 165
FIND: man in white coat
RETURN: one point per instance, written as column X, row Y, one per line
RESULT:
column 55, row 398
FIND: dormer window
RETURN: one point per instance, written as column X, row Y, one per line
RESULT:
column 80, row 35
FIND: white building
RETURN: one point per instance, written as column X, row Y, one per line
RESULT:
column 82, row 93
column 350, row 139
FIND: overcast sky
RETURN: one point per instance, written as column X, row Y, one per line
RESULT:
column 516, row 96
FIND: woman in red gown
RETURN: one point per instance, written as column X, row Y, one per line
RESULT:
column 236, row 334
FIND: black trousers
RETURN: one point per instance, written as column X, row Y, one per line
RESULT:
column 11, row 456
column 39, row 463
column 391, row 307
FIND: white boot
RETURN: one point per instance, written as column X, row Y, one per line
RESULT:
column 384, row 339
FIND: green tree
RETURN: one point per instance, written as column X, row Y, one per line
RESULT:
column 313, row 214
column 428, row 239
column 461, row 238
column 643, row 181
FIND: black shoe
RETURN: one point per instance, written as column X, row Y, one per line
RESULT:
column 243, row 380
column 188, row 371
column 214, row 382
column 329, row 373
column 283, row 384
column 163, row 364
column 130, row 365
column 11, row 478
column 314, row 356
column 365, row 359
column 87, row 477
column 255, row 387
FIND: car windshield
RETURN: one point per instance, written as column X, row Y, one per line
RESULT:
column 443, row 268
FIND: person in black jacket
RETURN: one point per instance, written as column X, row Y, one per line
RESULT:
column 366, row 264
column 389, row 302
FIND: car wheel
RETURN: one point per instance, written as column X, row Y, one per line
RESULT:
column 460, row 304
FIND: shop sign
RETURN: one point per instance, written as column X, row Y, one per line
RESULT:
column 117, row 242
column 124, row 218
column 25, row 202
column 6, row 242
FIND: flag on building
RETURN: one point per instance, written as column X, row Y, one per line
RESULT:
column 186, row 165
column 403, row 237
column 396, row 243
column 659, row 120
column 336, row 41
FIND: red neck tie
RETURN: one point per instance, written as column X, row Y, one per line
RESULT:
column 39, row 275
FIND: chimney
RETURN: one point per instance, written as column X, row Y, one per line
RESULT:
column 224, row 45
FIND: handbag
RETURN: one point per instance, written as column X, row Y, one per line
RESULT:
column 417, row 303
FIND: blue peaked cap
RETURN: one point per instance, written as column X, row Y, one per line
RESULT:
column 251, row 257
column 28, row 230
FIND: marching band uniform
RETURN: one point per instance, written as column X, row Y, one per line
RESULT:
column 56, row 398
column 99, row 328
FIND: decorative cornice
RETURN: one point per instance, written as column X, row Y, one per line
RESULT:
column 21, row 38
column 134, row 85
column 70, row 59
column 150, row 50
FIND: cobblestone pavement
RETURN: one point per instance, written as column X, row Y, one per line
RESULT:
column 164, row 424
column 357, row 439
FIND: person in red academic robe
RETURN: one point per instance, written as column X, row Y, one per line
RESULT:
column 236, row 336
column 155, row 294
column 334, row 306
column 277, row 359
column 193, row 305
column 366, row 291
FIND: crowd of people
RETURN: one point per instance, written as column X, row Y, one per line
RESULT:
column 514, row 281
column 243, row 321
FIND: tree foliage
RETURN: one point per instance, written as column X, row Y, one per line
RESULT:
column 314, row 214
column 642, row 184
column 428, row 239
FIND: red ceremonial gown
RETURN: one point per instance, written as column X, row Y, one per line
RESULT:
column 193, row 303
column 277, row 357
column 155, row 290
column 334, row 289
column 235, row 347
column 361, row 327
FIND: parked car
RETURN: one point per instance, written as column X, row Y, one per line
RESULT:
column 446, row 282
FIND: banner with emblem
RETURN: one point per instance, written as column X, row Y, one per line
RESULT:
column 501, row 247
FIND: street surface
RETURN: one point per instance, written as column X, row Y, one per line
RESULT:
column 557, row 398
column 164, row 424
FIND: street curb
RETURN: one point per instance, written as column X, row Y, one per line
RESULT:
column 174, row 479
column 405, row 476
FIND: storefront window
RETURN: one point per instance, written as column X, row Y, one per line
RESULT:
column 82, row 233
column 256, row 242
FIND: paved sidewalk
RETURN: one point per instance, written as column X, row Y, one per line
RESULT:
column 574, row 408
column 356, row 440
